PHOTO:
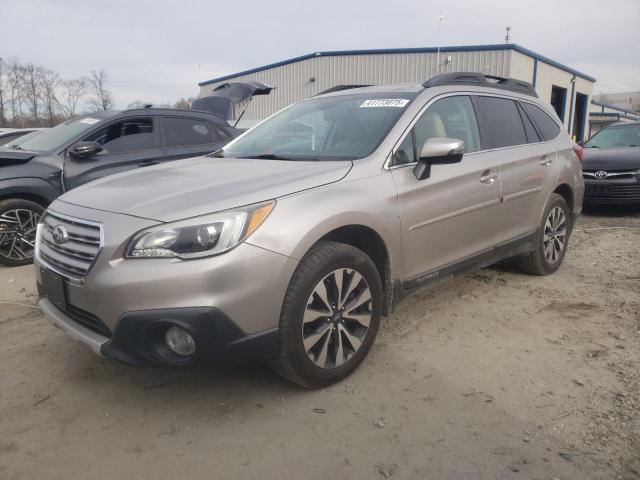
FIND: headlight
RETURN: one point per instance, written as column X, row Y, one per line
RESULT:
column 201, row 236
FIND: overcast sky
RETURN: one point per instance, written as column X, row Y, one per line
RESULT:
column 157, row 51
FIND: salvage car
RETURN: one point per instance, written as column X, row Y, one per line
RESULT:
column 611, row 166
column 291, row 242
column 34, row 171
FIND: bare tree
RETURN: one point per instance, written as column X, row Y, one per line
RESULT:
column 72, row 93
column 32, row 88
column 3, row 93
column 15, row 91
column 50, row 82
column 103, row 100
column 183, row 103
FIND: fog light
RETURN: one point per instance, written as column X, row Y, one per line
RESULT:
column 179, row 341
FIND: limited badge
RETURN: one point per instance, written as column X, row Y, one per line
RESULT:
column 385, row 102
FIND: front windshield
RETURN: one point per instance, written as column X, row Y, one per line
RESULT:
column 54, row 138
column 344, row 127
column 616, row 137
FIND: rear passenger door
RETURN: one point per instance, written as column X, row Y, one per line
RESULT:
column 527, row 167
column 452, row 215
column 185, row 137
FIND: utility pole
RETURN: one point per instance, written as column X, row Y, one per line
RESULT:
column 440, row 18
column 507, row 37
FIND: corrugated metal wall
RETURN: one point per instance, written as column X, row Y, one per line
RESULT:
column 303, row 79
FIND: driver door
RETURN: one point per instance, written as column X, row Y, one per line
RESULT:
column 450, row 216
column 126, row 144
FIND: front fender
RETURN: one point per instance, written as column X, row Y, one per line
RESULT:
column 30, row 187
column 299, row 220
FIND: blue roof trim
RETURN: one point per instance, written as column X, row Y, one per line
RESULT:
column 613, row 107
column 462, row 48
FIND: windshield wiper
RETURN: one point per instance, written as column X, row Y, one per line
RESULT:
column 266, row 156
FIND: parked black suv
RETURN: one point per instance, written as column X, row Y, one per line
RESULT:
column 85, row 148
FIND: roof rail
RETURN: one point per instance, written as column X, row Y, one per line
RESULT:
column 481, row 80
column 339, row 88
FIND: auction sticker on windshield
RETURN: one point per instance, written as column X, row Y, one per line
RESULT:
column 385, row 102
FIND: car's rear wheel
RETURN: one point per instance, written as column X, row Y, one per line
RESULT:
column 551, row 241
column 18, row 221
column 330, row 316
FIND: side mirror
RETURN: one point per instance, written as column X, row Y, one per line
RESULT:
column 85, row 149
column 438, row 151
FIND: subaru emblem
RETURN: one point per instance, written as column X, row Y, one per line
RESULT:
column 60, row 234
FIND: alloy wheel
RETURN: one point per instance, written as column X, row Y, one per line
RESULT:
column 336, row 318
column 555, row 235
column 18, row 233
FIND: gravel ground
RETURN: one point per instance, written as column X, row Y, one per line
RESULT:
column 492, row 375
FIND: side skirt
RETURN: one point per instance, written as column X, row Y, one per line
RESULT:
column 431, row 279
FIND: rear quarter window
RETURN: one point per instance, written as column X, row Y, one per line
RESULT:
column 547, row 127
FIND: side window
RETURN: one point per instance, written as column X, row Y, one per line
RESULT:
column 183, row 132
column 451, row 117
column 405, row 152
column 503, row 121
column 532, row 135
column 128, row 135
column 548, row 128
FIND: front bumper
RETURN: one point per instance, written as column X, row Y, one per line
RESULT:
column 230, row 303
column 612, row 192
column 138, row 338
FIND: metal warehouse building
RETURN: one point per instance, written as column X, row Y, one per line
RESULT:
column 568, row 90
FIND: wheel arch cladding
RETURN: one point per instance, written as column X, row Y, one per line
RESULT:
column 370, row 242
column 43, row 202
column 33, row 189
column 566, row 192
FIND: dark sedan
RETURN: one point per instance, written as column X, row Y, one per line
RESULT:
column 611, row 166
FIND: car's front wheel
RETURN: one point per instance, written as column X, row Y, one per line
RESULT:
column 18, row 222
column 330, row 316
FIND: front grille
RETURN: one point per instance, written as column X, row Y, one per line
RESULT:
column 611, row 192
column 611, row 174
column 74, row 256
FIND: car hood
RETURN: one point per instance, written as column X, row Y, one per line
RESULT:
column 202, row 185
column 613, row 159
column 10, row 156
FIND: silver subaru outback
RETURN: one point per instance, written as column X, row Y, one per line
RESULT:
column 294, row 240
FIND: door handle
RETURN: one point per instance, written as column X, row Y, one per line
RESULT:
column 488, row 177
column 546, row 160
column 148, row 163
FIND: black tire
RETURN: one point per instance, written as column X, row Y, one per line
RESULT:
column 536, row 262
column 292, row 360
column 9, row 256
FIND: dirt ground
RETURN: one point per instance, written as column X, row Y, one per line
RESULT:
column 495, row 375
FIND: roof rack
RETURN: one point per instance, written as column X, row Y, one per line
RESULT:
column 338, row 88
column 481, row 80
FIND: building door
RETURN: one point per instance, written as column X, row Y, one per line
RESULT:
column 558, row 100
column 580, row 117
